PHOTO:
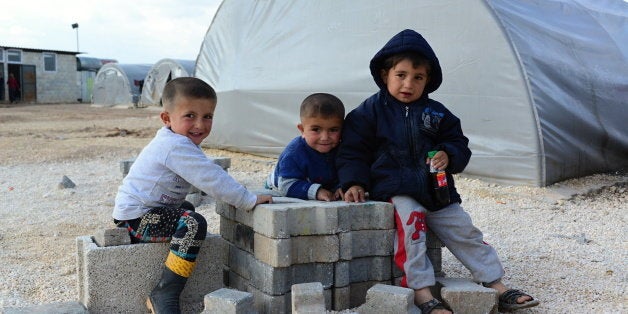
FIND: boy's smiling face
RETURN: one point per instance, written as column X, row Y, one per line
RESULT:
column 191, row 117
column 405, row 82
column 321, row 134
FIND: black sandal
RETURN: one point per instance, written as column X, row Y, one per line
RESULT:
column 508, row 301
column 431, row 305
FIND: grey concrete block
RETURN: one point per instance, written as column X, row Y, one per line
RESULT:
column 105, row 273
column 376, row 268
column 271, row 304
column 49, row 308
column 362, row 243
column 308, row 298
column 229, row 301
column 296, row 250
column 240, row 235
column 274, row 252
column 277, row 280
column 387, row 299
column 366, row 216
column 457, row 292
column 112, row 237
column 353, row 295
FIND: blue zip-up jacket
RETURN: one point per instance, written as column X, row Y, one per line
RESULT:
column 301, row 171
column 385, row 142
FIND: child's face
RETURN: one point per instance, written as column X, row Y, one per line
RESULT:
column 191, row 117
column 405, row 82
column 321, row 134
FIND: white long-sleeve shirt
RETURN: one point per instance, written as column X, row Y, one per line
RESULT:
column 163, row 173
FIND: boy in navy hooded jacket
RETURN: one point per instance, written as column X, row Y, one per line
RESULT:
column 384, row 149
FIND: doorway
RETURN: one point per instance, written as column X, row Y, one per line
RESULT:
column 25, row 75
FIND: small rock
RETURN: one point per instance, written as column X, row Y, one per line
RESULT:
column 66, row 183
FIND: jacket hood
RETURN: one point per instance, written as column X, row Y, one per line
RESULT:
column 407, row 40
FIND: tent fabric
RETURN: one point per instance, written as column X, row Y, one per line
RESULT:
column 161, row 73
column 525, row 77
column 119, row 84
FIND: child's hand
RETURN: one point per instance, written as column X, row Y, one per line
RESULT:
column 325, row 195
column 355, row 194
column 440, row 160
column 264, row 199
column 338, row 194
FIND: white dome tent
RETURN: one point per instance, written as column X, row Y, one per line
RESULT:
column 119, row 84
column 161, row 73
column 541, row 87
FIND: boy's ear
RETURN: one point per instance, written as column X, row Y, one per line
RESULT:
column 165, row 118
column 384, row 75
column 300, row 127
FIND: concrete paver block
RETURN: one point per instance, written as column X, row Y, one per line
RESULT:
column 296, row 250
column 229, row 301
column 307, row 298
column 366, row 216
column 112, row 237
column 457, row 292
column 387, row 299
column 362, row 243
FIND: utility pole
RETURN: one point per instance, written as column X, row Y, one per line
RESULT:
column 75, row 26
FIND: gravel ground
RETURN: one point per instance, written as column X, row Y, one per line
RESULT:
column 565, row 244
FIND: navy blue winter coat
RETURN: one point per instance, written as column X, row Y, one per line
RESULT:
column 385, row 142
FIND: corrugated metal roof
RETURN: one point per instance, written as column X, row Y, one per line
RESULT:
column 41, row 50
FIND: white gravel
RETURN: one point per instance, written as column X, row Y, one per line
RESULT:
column 564, row 244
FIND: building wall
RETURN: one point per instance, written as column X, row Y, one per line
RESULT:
column 60, row 86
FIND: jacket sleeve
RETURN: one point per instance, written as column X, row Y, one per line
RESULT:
column 452, row 140
column 356, row 151
column 292, row 180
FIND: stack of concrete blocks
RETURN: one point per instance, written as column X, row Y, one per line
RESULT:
column 347, row 247
column 195, row 196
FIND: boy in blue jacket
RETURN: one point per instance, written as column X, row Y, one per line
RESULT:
column 306, row 168
column 384, row 151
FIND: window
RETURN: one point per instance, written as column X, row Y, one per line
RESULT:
column 14, row 56
column 50, row 62
column 1, row 54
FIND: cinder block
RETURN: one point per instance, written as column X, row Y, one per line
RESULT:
column 457, row 292
column 112, row 237
column 296, row 250
column 229, row 301
column 307, row 298
column 104, row 274
column 277, row 280
column 362, row 243
column 56, row 307
column 387, row 299
column 366, row 216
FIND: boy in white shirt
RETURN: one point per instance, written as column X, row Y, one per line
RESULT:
column 151, row 200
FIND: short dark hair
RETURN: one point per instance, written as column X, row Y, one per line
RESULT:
column 322, row 105
column 417, row 59
column 187, row 87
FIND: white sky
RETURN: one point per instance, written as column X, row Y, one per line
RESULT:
column 130, row 31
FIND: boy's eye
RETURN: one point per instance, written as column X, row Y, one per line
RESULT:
column 209, row 116
column 189, row 115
